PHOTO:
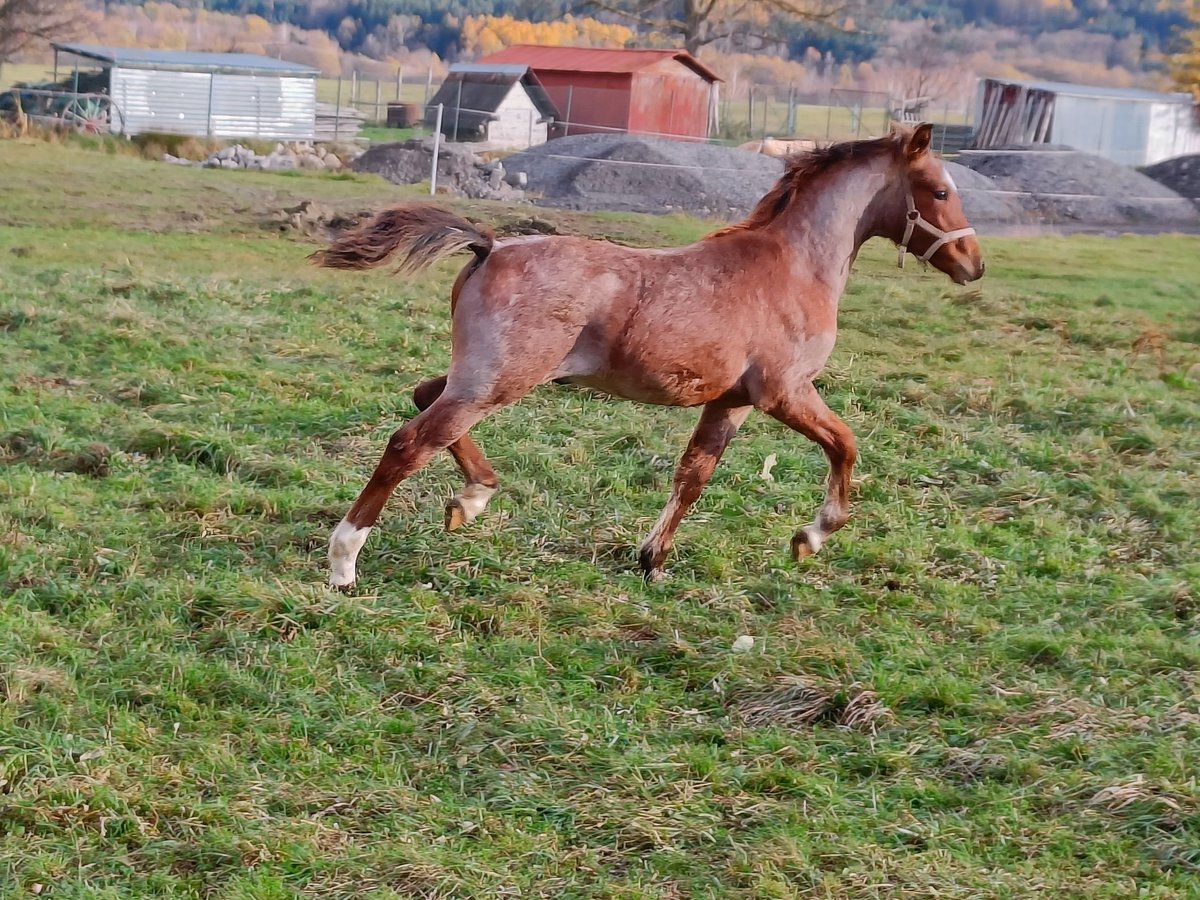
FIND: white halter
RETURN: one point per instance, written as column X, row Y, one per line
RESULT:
column 915, row 219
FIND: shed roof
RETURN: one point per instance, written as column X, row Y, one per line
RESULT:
column 594, row 59
column 1064, row 89
column 476, row 92
column 187, row 60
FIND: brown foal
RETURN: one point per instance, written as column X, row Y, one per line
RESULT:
column 743, row 319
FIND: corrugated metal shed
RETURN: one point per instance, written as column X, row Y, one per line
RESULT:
column 1128, row 125
column 232, row 95
column 187, row 60
column 663, row 92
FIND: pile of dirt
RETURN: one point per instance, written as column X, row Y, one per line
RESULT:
column 460, row 171
column 1061, row 186
column 315, row 220
column 641, row 174
column 1181, row 174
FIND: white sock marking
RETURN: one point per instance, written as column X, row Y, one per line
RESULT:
column 473, row 498
column 344, row 545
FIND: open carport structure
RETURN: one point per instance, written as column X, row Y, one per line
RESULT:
column 227, row 95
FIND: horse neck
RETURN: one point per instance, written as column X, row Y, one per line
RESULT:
column 835, row 216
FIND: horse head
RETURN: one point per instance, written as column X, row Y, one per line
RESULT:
column 925, row 215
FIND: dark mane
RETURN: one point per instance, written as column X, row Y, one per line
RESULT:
column 799, row 171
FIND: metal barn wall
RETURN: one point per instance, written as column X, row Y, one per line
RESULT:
column 589, row 101
column 200, row 104
column 263, row 106
column 1115, row 129
column 670, row 99
column 1173, row 132
column 162, row 101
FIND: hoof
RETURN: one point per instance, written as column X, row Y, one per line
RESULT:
column 651, row 571
column 342, row 588
column 805, row 543
column 456, row 516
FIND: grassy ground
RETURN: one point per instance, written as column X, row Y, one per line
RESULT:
column 985, row 686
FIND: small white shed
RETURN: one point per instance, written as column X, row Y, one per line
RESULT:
column 229, row 95
column 504, row 106
column 1127, row 125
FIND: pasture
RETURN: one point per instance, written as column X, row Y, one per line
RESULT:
column 984, row 686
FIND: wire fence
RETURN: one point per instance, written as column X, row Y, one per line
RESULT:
column 752, row 111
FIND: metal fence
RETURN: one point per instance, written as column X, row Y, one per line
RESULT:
column 752, row 112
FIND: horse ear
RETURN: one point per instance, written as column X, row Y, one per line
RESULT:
column 918, row 144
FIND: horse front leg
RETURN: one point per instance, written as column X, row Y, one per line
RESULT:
column 481, row 481
column 718, row 424
column 445, row 421
column 804, row 411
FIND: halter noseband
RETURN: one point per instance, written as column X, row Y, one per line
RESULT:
column 915, row 219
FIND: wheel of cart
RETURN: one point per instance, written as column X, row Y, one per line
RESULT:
column 89, row 114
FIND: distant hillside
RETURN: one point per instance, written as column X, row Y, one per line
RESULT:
column 357, row 24
column 920, row 48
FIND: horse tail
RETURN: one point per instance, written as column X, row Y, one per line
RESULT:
column 418, row 233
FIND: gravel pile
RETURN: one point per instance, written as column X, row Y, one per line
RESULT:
column 459, row 169
column 639, row 174
column 644, row 175
column 1181, row 174
column 1062, row 186
column 980, row 202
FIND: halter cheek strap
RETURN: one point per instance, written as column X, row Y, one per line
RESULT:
column 916, row 220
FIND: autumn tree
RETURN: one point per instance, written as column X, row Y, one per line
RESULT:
column 1185, row 65
column 698, row 23
column 25, row 23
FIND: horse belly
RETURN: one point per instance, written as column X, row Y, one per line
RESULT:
column 662, row 381
column 659, row 393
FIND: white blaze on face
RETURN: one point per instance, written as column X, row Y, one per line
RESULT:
column 949, row 180
column 344, row 544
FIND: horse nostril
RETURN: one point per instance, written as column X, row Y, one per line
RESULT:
column 982, row 267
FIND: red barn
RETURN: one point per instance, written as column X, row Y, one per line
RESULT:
column 662, row 92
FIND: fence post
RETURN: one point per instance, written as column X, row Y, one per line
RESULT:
column 791, row 113
column 766, row 107
column 750, row 114
column 828, row 116
column 353, row 87
column 377, row 119
column 457, row 110
column 428, row 85
column 437, row 145
column 337, row 109
column 399, row 83
column 570, row 96
column 210, row 98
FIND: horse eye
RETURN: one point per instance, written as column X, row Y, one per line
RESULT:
column 941, row 195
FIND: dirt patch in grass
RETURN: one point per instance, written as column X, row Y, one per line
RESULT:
column 798, row 702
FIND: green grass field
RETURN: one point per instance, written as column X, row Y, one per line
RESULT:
column 984, row 686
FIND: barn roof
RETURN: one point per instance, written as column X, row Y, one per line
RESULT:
column 187, row 60
column 1063, row 89
column 594, row 59
column 483, row 88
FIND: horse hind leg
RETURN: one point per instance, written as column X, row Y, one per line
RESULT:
column 716, row 428
column 481, row 481
column 807, row 413
column 443, row 423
